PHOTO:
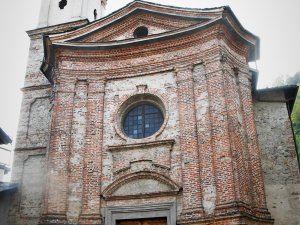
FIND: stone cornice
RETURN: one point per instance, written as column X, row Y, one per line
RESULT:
column 141, row 145
column 135, row 42
column 31, row 148
column 37, row 33
column 110, row 189
column 36, row 87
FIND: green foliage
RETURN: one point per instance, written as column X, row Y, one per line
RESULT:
column 295, row 117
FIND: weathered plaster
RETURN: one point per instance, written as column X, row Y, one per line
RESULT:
column 279, row 161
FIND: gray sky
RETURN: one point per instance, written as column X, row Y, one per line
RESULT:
column 277, row 23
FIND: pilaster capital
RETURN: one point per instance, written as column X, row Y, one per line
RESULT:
column 183, row 68
column 184, row 73
column 65, row 86
column 97, row 86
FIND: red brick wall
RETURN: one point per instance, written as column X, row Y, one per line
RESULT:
column 212, row 167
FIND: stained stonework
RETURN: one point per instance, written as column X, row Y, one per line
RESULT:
column 141, row 186
column 279, row 161
column 30, row 164
column 33, row 188
column 203, row 164
column 39, row 114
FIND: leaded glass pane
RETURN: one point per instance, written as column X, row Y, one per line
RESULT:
column 142, row 121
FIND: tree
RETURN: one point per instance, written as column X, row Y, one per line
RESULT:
column 294, row 79
column 288, row 80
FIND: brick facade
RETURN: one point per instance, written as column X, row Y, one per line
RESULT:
column 204, row 159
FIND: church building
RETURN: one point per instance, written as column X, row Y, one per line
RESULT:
column 149, row 116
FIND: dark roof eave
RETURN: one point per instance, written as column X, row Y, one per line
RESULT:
column 279, row 88
column 47, row 69
column 285, row 93
column 4, row 138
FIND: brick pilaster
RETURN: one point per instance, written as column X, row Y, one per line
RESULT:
column 254, row 152
column 223, row 167
column 58, row 155
column 91, row 203
column 202, row 104
column 76, row 160
column 238, row 142
column 192, row 199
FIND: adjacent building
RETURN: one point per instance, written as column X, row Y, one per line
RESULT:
column 5, row 154
column 7, row 189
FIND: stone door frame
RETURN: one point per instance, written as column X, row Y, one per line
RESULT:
column 168, row 210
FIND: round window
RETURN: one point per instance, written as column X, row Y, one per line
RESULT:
column 140, row 32
column 142, row 121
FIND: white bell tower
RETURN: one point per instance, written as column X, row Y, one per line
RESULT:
column 55, row 12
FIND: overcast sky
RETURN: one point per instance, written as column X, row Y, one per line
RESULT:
column 277, row 23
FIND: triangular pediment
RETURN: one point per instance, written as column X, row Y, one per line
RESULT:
column 120, row 25
column 124, row 27
column 163, row 23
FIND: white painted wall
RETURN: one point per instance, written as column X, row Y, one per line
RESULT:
column 51, row 14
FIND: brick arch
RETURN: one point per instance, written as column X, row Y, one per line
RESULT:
column 112, row 188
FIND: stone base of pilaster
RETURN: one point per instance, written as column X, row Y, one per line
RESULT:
column 230, row 220
column 235, row 213
column 61, row 219
column 195, row 213
column 53, row 219
column 91, row 219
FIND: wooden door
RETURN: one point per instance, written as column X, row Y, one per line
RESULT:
column 159, row 221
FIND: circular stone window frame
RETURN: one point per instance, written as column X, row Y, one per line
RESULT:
column 134, row 101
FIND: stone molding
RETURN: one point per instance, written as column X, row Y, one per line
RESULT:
column 124, row 164
column 53, row 218
column 174, row 188
column 134, row 99
column 143, row 145
column 36, row 87
column 37, row 33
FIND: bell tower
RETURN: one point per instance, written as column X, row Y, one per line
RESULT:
column 55, row 12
